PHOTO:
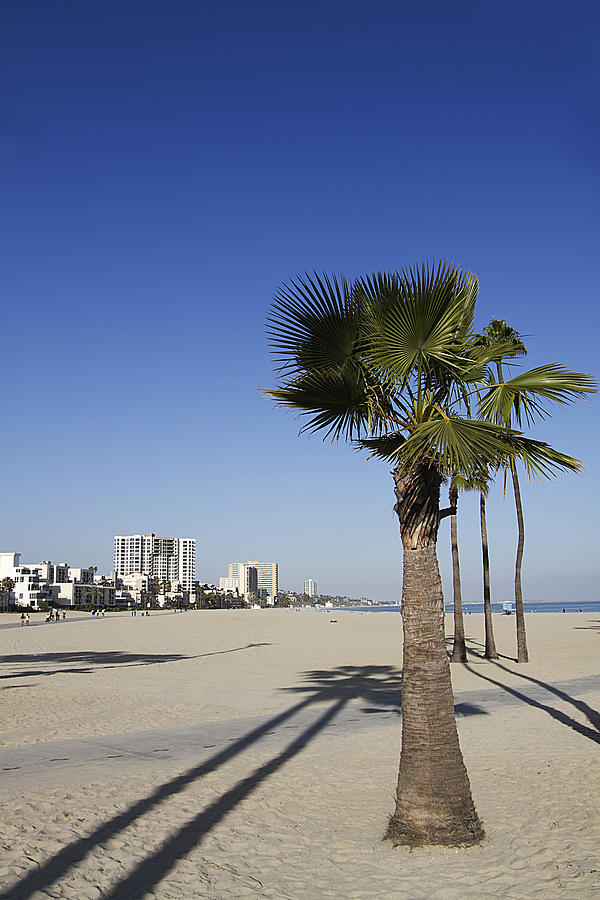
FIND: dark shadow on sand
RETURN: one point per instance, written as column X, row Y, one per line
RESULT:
column 592, row 733
column 90, row 661
column 377, row 686
column 475, row 648
column 593, row 626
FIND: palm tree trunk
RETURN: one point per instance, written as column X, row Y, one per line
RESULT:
column 522, row 654
column 459, row 649
column 490, row 643
column 433, row 800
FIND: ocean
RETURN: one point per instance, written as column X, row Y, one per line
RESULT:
column 586, row 606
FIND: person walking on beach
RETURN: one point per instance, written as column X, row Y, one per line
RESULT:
column 22, row 619
column 27, row 619
column 64, row 614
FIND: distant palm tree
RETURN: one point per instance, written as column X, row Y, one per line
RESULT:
column 7, row 586
column 391, row 362
column 521, row 398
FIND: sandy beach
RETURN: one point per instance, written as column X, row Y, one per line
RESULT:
column 234, row 754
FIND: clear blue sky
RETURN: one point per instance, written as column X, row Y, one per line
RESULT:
column 164, row 166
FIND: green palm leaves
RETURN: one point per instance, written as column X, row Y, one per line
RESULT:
column 392, row 362
column 523, row 395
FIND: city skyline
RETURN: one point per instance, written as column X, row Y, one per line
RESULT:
column 152, row 208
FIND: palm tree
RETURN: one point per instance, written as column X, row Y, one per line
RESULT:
column 490, row 651
column 390, row 361
column 517, row 399
column 477, row 482
column 7, row 586
column 495, row 333
column 459, row 648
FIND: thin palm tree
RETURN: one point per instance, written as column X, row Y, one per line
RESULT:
column 498, row 332
column 490, row 651
column 476, row 482
column 517, row 399
column 390, row 361
column 459, row 646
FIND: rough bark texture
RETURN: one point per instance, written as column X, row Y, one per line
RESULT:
column 490, row 643
column 522, row 654
column 459, row 649
column 433, row 801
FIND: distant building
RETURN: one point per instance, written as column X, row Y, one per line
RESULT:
column 311, row 588
column 83, row 576
column 47, row 582
column 267, row 576
column 75, row 594
column 168, row 559
column 244, row 582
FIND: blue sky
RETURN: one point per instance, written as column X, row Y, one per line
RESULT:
column 164, row 166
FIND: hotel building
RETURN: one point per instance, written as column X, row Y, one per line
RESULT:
column 311, row 588
column 166, row 558
column 267, row 576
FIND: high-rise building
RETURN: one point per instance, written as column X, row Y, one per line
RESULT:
column 267, row 576
column 165, row 558
column 311, row 588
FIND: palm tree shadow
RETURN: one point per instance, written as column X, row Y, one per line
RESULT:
column 377, row 685
column 593, row 626
column 592, row 733
column 92, row 660
column 592, row 715
column 475, row 648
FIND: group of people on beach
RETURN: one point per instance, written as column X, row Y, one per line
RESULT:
column 98, row 612
column 54, row 615
column 25, row 618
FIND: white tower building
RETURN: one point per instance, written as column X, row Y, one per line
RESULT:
column 311, row 588
column 165, row 558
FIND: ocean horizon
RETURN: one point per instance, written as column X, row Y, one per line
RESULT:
column 586, row 606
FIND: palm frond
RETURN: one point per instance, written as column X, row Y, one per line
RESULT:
column 523, row 394
column 387, row 447
column 457, row 445
column 314, row 323
column 336, row 402
column 539, row 459
column 418, row 318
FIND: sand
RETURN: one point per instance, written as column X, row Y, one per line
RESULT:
column 235, row 754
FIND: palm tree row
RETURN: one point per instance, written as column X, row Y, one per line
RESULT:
column 498, row 333
column 391, row 362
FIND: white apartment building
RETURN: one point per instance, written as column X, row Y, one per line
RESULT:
column 311, row 588
column 165, row 558
column 75, row 594
column 47, row 581
column 267, row 576
column 229, row 584
column 30, row 583
column 244, row 582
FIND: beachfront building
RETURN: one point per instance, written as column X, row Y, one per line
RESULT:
column 76, row 573
column 267, row 576
column 244, row 582
column 48, row 581
column 166, row 558
column 30, row 583
column 229, row 584
column 87, row 594
column 310, row 588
